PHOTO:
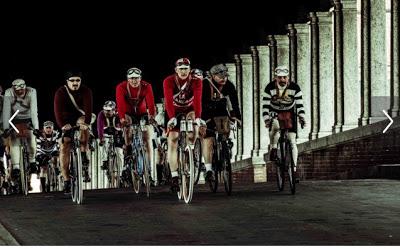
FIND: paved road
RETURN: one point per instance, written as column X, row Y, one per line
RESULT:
column 358, row 212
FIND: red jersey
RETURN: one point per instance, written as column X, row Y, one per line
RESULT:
column 182, row 96
column 135, row 101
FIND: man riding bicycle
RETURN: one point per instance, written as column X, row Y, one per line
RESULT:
column 220, row 99
column 47, row 149
column 108, row 123
column 182, row 95
column 281, row 100
column 73, row 106
column 23, row 99
column 135, row 100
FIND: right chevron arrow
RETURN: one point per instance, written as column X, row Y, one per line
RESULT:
column 391, row 121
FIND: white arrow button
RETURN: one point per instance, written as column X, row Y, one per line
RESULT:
column 391, row 121
column 12, row 125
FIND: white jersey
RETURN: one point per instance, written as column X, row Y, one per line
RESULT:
column 26, row 105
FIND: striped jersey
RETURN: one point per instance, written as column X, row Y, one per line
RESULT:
column 277, row 99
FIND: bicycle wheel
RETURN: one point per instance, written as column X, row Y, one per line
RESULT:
column 197, row 160
column 227, row 170
column 74, row 176
column 24, row 174
column 80, row 177
column 49, row 178
column 213, row 184
column 113, row 171
column 290, row 166
column 280, row 168
column 133, row 163
column 188, row 175
column 166, row 172
column 146, row 171
column 53, row 184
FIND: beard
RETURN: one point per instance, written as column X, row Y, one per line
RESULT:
column 75, row 87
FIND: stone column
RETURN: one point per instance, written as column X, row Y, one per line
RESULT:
column 273, row 55
column 282, row 47
column 265, row 78
column 303, row 54
column 292, row 33
column 239, row 81
column 338, row 66
column 395, row 60
column 256, row 101
column 365, row 60
column 247, row 125
column 314, row 35
column 326, row 74
column 380, row 47
column 351, row 84
column 232, row 78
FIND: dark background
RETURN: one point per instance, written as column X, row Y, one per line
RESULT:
column 40, row 41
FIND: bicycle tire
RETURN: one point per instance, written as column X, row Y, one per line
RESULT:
column 132, row 162
column 114, row 171
column 290, row 167
column 197, row 153
column 227, row 174
column 216, row 169
column 74, row 176
column 146, row 172
column 80, row 177
column 181, row 157
column 24, row 174
column 49, row 179
column 280, row 168
column 188, row 175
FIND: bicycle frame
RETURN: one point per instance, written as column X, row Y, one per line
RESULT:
column 139, row 157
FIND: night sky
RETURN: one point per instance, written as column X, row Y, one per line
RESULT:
column 104, row 40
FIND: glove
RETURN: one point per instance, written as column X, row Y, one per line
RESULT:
column 83, row 127
column 172, row 123
column 66, row 127
column 200, row 122
column 302, row 121
column 239, row 122
column 267, row 122
column 124, row 122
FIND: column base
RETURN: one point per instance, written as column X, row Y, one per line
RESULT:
column 394, row 112
column 363, row 121
column 337, row 129
column 324, row 133
column 313, row 135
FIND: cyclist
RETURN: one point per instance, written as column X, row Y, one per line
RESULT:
column 108, row 123
column 47, row 148
column 73, row 106
column 135, row 99
column 219, row 99
column 197, row 73
column 182, row 95
column 23, row 98
column 281, row 99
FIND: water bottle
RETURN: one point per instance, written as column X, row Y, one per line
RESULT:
column 190, row 125
column 183, row 125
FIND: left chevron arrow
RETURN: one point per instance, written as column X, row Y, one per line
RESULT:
column 12, row 117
